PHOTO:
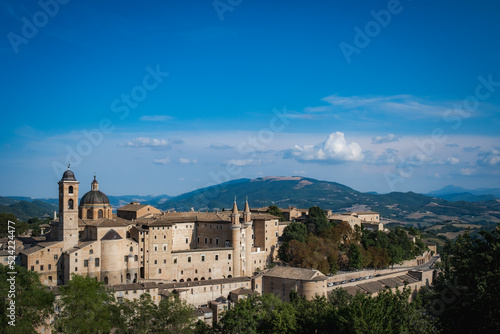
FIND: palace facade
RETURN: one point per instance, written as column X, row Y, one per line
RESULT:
column 142, row 243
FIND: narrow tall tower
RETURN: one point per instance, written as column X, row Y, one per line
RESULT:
column 235, row 230
column 68, row 209
column 248, row 223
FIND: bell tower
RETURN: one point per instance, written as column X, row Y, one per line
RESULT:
column 68, row 209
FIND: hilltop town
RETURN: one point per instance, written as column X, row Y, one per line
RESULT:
column 208, row 259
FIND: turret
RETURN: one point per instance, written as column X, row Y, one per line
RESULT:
column 235, row 230
column 248, row 225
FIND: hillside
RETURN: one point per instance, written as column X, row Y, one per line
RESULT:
column 24, row 209
column 306, row 192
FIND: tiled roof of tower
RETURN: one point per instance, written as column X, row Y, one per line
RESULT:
column 111, row 235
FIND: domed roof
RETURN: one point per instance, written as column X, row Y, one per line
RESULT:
column 68, row 175
column 94, row 197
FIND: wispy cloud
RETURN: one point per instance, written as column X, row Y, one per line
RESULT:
column 151, row 142
column 385, row 139
column 187, row 161
column 243, row 162
column 333, row 150
column 490, row 157
column 471, row 148
column 156, row 118
column 403, row 106
column 216, row 146
column 162, row 161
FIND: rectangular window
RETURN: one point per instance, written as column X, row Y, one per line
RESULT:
column 187, row 240
column 206, row 240
column 76, row 268
column 159, row 271
column 175, row 260
column 203, row 258
column 50, row 267
column 189, row 258
column 216, row 257
column 216, row 241
column 97, row 262
column 136, row 258
column 32, row 268
column 76, row 260
column 85, row 263
column 55, row 257
column 41, row 268
column 229, row 256
column 50, row 278
column 156, row 261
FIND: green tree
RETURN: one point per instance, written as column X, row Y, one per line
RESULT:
column 389, row 312
column 295, row 231
column 355, row 260
column 276, row 211
column 317, row 221
column 33, row 303
column 259, row 314
column 137, row 316
column 467, row 296
column 174, row 316
column 85, row 307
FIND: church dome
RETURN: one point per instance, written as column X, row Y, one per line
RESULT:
column 68, row 175
column 94, row 197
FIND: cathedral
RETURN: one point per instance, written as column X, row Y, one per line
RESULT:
column 141, row 243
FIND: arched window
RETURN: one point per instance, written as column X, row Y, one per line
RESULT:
column 89, row 214
column 181, row 280
column 70, row 190
column 91, row 251
column 70, row 204
column 100, row 213
column 202, row 279
column 195, row 279
column 188, row 280
column 106, row 280
column 128, row 276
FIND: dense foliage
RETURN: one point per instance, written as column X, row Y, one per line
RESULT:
column 340, row 313
column 467, row 294
column 33, row 303
column 324, row 246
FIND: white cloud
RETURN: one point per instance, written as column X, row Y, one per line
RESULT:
column 467, row 171
column 151, row 142
column 162, row 161
column 187, row 161
column 146, row 142
column 333, row 150
column 385, row 139
column 243, row 162
column 155, row 118
column 490, row 157
column 471, row 148
column 452, row 161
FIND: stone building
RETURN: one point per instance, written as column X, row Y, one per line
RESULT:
column 143, row 243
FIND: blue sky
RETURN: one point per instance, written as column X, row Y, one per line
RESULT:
column 163, row 97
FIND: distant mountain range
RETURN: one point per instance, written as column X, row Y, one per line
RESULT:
column 302, row 192
column 454, row 193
